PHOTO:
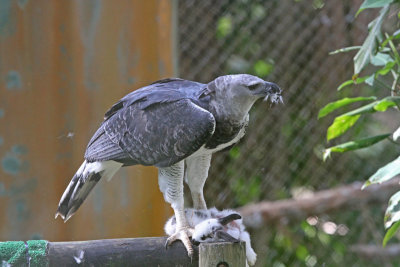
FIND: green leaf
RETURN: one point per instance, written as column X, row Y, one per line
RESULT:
column 317, row 4
column 263, row 68
column 389, row 66
column 366, row 51
column 380, row 105
column 382, row 46
column 385, row 173
column 360, row 80
column 234, row 153
column 302, row 252
column 356, row 80
column 373, row 4
column 392, row 213
column 357, row 144
column 390, row 233
column 344, row 122
column 346, row 49
column 369, row 108
column 224, row 26
column 381, row 59
column 340, row 103
column 370, row 80
column 340, row 125
column 384, row 104
column 344, row 84
column 393, row 49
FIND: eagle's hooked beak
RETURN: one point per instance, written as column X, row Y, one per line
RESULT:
column 273, row 93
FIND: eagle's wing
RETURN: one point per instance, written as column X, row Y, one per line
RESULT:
column 160, row 134
column 159, row 124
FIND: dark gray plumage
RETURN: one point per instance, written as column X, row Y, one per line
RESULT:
column 155, row 109
column 173, row 124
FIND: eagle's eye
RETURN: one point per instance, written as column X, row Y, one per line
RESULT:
column 253, row 86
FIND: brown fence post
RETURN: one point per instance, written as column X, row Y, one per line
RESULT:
column 222, row 255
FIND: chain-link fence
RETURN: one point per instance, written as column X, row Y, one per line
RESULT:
column 286, row 42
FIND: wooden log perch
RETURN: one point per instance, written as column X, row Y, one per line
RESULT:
column 347, row 197
column 120, row 252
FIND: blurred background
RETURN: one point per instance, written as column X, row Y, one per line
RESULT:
column 64, row 63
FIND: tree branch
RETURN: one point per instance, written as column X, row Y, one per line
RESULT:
column 373, row 251
column 348, row 197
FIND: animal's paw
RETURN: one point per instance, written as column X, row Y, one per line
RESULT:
column 182, row 234
column 251, row 256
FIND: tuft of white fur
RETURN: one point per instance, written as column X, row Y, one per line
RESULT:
column 205, row 223
column 206, row 228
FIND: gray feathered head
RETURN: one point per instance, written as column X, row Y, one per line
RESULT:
column 237, row 93
column 245, row 85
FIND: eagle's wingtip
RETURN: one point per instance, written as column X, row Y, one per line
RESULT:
column 67, row 217
column 56, row 216
column 62, row 216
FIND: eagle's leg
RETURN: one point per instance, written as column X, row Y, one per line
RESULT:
column 170, row 180
column 195, row 176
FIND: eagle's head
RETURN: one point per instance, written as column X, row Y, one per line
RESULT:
column 237, row 93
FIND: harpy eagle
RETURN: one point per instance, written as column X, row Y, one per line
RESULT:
column 175, row 125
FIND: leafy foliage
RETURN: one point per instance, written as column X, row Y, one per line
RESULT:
column 344, row 122
column 390, row 233
column 393, row 210
column 353, row 145
column 385, row 173
column 373, row 4
column 366, row 51
column 340, row 125
column 377, row 53
column 341, row 103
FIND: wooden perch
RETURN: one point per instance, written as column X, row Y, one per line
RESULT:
column 119, row 252
column 347, row 197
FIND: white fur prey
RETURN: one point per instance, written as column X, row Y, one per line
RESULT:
column 205, row 228
column 207, row 223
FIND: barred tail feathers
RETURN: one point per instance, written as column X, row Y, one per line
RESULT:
column 82, row 183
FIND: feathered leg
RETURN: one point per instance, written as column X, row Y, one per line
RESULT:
column 195, row 176
column 170, row 180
